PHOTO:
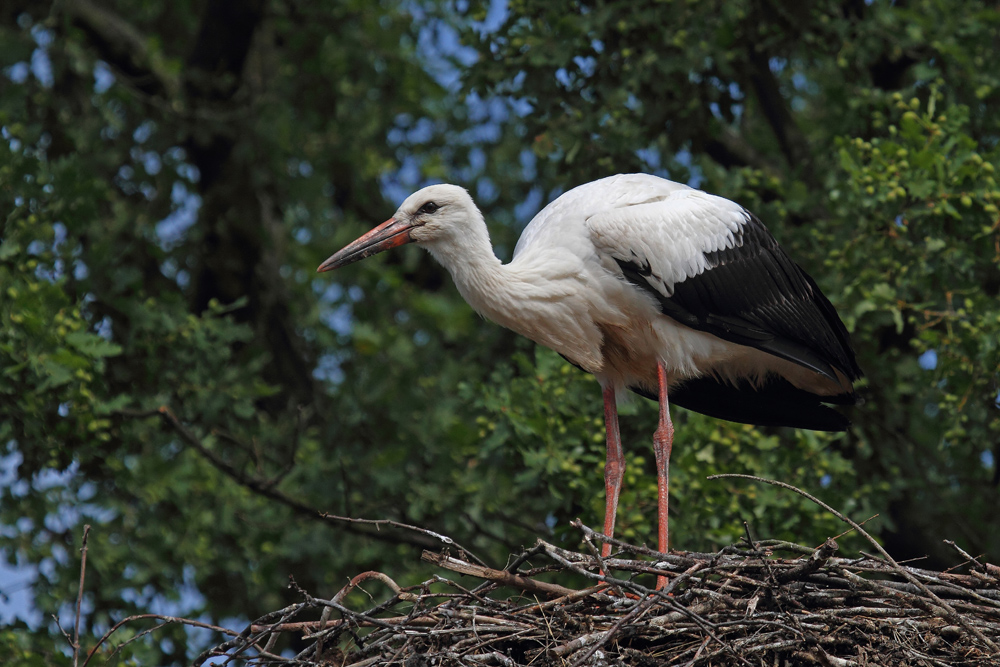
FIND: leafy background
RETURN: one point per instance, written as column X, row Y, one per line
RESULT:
column 171, row 174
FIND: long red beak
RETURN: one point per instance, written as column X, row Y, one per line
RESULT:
column 389, row 234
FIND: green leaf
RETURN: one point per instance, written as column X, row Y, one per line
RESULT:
column 93, row 345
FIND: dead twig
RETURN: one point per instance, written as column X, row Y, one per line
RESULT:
column 165, row 619
column 816, row 560
column 79, row 595
column 500, row 576
column 396, row 524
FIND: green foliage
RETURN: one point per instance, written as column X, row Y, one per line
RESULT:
column 18, row 652
column 51, row 364
column 924, row 258
column 161, row 230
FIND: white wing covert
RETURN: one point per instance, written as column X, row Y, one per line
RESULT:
column 670, row 236
column 714, row 267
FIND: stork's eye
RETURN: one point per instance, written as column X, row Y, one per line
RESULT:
column 429, row 207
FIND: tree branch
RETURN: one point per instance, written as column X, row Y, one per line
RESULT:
column 124, row 47
column 772, row 103
column 731, row 149
column 79, row 596
column 264, row 489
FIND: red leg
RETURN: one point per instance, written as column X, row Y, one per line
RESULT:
column 663, row 441
column 614, row 468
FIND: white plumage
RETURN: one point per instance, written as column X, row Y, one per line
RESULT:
column 649, row 285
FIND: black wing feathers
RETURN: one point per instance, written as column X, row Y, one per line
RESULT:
column 777, row 403
column 753, row 294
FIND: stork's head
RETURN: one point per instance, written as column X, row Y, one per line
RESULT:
column 437, row 214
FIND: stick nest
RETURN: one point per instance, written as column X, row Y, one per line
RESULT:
column 761, row 603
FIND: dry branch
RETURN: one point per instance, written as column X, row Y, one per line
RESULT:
column 499, row 576
column 79, row 595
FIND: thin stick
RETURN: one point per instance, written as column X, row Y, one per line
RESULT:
column 971, row 560
column 605, row 637
column 79, row 596
column 500, row 576
column 405, row 526
column 160, row 617
column 851, row 530
column 597, row 554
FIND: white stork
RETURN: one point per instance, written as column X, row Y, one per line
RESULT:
column 651, row 286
